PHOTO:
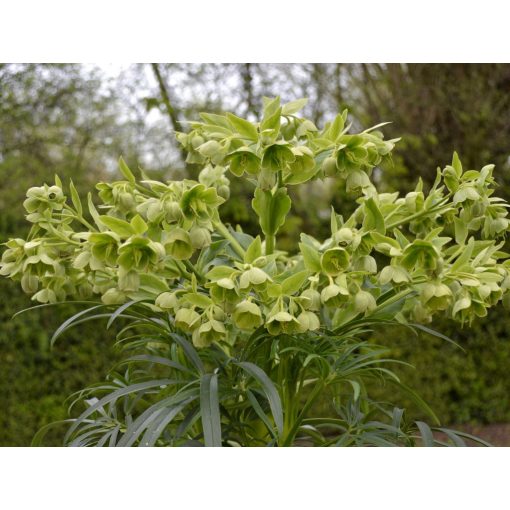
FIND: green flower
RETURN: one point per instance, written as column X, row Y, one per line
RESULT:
column 253, row 277
column 200, row 202
column 113, row 297
column 167, row 301
column 139, row 252
column 178, row 244
column 421, row 254
column 283, row 322
column 40, row 199
column 104, row 246
column 208, row 333
column 223, row 290
column 329, row 167
column 334, row 295
column 364, row 302
column 187, row 319
column 393, row 274
column 243, row 160
column 247, row 315
column 334, row 261
column 312, row 299
column 436, row 296
column 129, row 280
column 200, row 237
column 308, row 321
column 277, row 156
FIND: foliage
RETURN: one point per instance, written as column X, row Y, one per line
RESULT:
column 270, row 332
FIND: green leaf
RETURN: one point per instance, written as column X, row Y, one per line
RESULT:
column 210, row 410
column 138, row 224
column 245, row 128
column 374, row 219
column 271, row 209
column 293, row 283
column 125, row 171
column 426, row 433
column 76, row 199
column 120, row 227
column 269, row 390
column 311, row 257
column 93, row 212
column 254, row 251
column 294, row 106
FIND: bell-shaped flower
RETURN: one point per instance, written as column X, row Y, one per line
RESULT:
column 167, row 301
column 200, row 202
column 200, row 237
column 420, row 254
column 253, row 277
column 223, row 290
column 436, row 296
column 277, row 156
column 177, row 243
column 334, row 295
column 104, row 246
column 364, row 302
column 43, row 198
column 208, row 333
column 186, row 319
column 139, row 252
column 334, row 261
column 247, row 315
column 308, row 321
column 113, row 296
column 395, row 274
column 243, row 160
column 283, row 322
column 311, row 299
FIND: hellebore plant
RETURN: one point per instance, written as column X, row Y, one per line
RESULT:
column 230, row 341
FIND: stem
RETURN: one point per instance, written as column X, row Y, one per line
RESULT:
column 189, row 266
column 223, row 230
column 419, row 214
column 316, row 392
column 270, row 243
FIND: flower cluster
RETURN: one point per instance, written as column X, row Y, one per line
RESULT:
column 165, row 245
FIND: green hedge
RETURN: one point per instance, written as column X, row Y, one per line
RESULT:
column 461, row 387
column 34, row 380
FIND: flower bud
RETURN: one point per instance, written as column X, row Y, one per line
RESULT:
column 200, row 237
column 167, row 301
column 113, row 297
column 247, row 315
column 312, row 299
column 343, row 236
column 366, row 264
column 329, row 167
column 196, row 141
column 210, row 148
column 308, row 321
column 173, row 211
column 393, row 274
column 364, row 302
column 129, row 281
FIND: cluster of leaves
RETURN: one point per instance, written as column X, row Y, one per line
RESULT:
column 163, row 246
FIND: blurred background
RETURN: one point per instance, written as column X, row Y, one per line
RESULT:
column 76, row 120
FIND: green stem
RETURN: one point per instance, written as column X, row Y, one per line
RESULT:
column 270, row 244
column 189, row 266
column 419, row 214
column 223, row 230
column 316, row 392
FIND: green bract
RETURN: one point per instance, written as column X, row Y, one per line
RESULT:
column 162, row 251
